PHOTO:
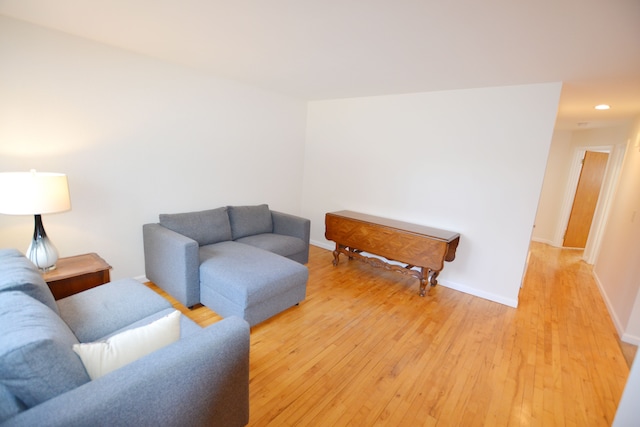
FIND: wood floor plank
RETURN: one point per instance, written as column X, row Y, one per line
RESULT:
column 364, row 349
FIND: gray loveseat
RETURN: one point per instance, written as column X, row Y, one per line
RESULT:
column 244, row 261
column 201, row 379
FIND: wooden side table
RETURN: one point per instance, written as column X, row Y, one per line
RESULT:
column 76, row 274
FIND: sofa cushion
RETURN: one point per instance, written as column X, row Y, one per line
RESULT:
column 250, row 220
column 187, row 326
column 205, row 227
column 100, row 311
column 9, row 404
column 248, row 275
column 36, row 357
column 19, row 274
column 100, row 358
column 276, row 243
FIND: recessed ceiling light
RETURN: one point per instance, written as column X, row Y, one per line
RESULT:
column 602, row 107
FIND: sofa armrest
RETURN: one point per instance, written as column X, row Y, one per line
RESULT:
column 172, row 262
column 202, row 379
column 291, row 225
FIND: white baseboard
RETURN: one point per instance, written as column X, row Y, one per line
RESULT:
column 616, row 321
column 478, row 293
column 631, row 339
column 323, row 244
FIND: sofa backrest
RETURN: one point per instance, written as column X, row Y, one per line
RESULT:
column 221, row 224
column 36, row 357
column 250, row 220
column 37, row 361
column 205, row 227
column 17, row 273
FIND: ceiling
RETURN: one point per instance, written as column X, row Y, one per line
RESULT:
column 320, row 49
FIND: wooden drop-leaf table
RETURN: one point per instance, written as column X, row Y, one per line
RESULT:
column 414, row 245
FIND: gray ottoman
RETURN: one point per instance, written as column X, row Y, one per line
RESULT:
column 242, row 280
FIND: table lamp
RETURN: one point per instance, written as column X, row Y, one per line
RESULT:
column 36, row 193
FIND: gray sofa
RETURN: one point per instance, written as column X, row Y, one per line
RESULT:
column 201, row 379
column 244, row 261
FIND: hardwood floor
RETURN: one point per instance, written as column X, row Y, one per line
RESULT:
column 364, row 349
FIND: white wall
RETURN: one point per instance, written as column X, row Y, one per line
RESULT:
column 470, row 161
column 617, row 269
column 553, row 188
column 628, row 412
column 137, row 137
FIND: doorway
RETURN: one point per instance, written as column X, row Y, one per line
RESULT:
column 594, row 165
column 614, row 164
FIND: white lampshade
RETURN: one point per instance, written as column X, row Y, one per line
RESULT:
column 31, row 193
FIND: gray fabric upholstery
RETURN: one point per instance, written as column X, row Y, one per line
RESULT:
column 187, row 326
column 276, row 243
column 99, row 311
column 237, row 278
column 9, row 404
column 19, row 274
column 294, row 226
column 201, row 380
column 242, row 272
column 249, row 220
column 205, row 227
column 256, row 276
column 291, row 225
column 260, row 311
column 37, row 362
column 171, row 262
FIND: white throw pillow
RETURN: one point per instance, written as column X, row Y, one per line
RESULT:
column 100, row 358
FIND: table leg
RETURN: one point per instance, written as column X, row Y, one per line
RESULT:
column 336, row 255
column 431, row 279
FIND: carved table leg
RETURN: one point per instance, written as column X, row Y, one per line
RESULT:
column 336, row 255
column 423, row 287
column 431, row 279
